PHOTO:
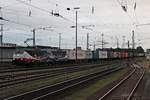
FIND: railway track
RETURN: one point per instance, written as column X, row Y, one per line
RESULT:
column 40, row 71
column 12, row 74
column 125, row 89
column 45, row 74
column 15, row 70
column 53, row 90
column 23, row 68
column 20, row 68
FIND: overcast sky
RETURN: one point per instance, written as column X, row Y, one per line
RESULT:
column 107, row 17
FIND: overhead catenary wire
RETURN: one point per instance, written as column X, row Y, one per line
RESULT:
column 29, row 10
column 19, row 23
column 14, row 22
column 135, row 9
column 47, row 11
column 44, row 10
column 57, row 5
column 1, row 14
column 72, row 21
column 134, row 6
column 11, row 21
column 3, row 19
column 7, row 20
column 125, row 8
column 143, row 24
column 12, row 4
column 15, row 12
column 23, row 2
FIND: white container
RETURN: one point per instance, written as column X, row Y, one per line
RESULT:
column 89, row 55
column 103, row 54
column 71, row 54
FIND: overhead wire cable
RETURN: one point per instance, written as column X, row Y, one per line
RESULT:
column 135, row 7
column 7, row 20
column 12, row 4
column 58, row 5
column 44, row 10
column 1, row 18
column 125, row 11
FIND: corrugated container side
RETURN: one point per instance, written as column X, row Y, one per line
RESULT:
column 89, row 55
column 103, row 54
column 115, row 55
column 95, row 55
column 81, row 54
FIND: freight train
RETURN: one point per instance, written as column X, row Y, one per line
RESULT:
column 37, row 56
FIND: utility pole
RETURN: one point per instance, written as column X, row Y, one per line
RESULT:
column 139, row 42
column 117, row 41
column 102, row 40
column 128, row 44
column 59, row 40
column 76, row 30
column 128, row 51
column 94, row 46
column 1, row 37
column 87, row 41
column 133, row 42
column 33, row 37
column 123, row 41
column 76, row 33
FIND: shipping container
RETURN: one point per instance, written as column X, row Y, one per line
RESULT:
column 110, row 54
column 115, row 55
column 71, row 54
column 103, row 54
column 95, row 54
column 89, row 54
